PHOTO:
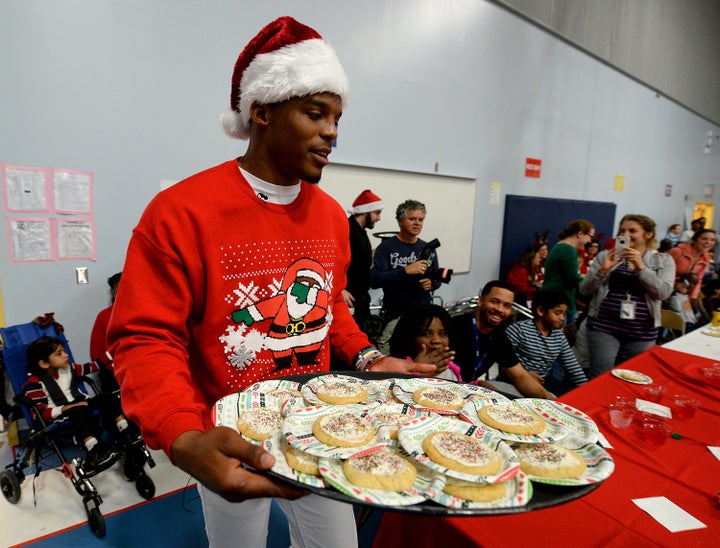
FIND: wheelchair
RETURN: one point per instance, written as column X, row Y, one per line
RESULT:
column 42, row 447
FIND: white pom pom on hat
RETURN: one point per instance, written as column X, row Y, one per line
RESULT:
column 366, row 202
column 285, row 59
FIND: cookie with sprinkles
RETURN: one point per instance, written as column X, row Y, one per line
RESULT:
column 259, row 423
column 462, row 453
column 511, row 418
column 384, row 469
column 343, row 429
column 339, row 392
column 548, row 460
column 437, row 397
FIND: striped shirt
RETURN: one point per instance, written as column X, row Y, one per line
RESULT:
column 624, row 284
column 537, row 352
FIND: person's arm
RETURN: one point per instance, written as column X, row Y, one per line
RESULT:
column 657, row 275
column 33, row 389
column 598, row 272
column 568, row 361
column 526, row 383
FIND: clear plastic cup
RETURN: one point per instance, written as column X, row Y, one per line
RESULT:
column 621, row 415
column 684, row 407
column 656, row 429
column 654, row 392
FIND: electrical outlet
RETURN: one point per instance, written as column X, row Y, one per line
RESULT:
column 81, row 275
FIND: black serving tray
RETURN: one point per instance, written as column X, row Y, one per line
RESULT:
column 544, row 495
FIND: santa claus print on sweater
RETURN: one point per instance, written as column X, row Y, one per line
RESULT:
column 298, row 314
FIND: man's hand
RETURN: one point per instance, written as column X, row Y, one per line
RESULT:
column 418, row 267
column 348, row 298
column 526, row 383
column 436, row 356
column 425, row 284
column 396, row 365
column 215, row 459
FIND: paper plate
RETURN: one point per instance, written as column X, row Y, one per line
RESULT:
column 711, row 331
column 405, row 388
column 298, row 432
column 490, row 397
column 600, row 465
column 519, row 492
column 424, row 486
column 310, row 388
column 629, row 375
column 227, row 410
column 580, row 426
column 264, row 387
column 277, row 445
column 411, row 438
column 553, row 432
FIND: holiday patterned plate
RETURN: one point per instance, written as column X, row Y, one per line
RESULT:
column 518, row 492
column 425, row 485
column 580, row 426
column 553, row 432
column 412, row 435
column 405, row 388
column 599, row 464
column 228, row 409
column 309, row 390
column 279, row 389
column 298, row 431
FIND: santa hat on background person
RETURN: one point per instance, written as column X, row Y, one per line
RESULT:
column 286, row 59
column 366, row 202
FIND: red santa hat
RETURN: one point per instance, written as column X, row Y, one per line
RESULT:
column 286, row 59
column 365, row 203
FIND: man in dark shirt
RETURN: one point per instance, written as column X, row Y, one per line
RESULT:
column 486, row 344
column 365, row 212
column 399, row 270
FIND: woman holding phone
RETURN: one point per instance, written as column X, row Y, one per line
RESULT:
column 628, row 285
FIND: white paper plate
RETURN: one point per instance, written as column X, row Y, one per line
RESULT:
column 519, row 492
column 600, row 465
column 424, row 486
column 411, row 437
column 552, row 433
column 405, row 388
column 227, row 410
column 310, row 388
column 629, row 375
column 298, row 432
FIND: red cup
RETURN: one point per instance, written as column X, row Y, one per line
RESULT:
column 684, row 407
column 656, row 430
column 654, row 392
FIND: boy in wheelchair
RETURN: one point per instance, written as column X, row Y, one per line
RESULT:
column 53, row 386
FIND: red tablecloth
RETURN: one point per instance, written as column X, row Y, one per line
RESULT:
column 684, row 471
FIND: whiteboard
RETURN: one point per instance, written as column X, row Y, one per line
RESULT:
column 450, row 204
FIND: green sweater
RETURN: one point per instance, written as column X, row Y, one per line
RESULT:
column 562, row 272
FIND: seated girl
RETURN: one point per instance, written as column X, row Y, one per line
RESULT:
column 424, row 334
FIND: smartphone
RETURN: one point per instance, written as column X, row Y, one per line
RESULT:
column 621, row 242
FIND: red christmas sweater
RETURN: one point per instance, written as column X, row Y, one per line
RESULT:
column 220, row 290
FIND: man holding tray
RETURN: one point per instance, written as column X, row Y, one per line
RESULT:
column 234, row 275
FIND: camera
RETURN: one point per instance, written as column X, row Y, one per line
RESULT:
column 621, row 243
column 441, row 274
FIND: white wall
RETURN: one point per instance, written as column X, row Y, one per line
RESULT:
column 131, row 90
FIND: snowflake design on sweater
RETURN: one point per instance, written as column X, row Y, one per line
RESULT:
column 242, row 345
column 246, row 294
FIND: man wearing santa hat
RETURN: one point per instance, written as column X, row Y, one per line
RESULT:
column 222, row 260
column 365, row 212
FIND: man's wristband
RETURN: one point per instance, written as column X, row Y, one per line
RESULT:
column 368, row 357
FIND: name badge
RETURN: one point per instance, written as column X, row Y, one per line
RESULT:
column 627, row 310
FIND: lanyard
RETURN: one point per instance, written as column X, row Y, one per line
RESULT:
column 478, row 358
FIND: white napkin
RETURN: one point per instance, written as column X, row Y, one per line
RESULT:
column 669, row 514
column 654, row 408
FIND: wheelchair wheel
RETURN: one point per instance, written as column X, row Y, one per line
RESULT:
column 145, row 486
column 96, row 521
column 10, row 486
